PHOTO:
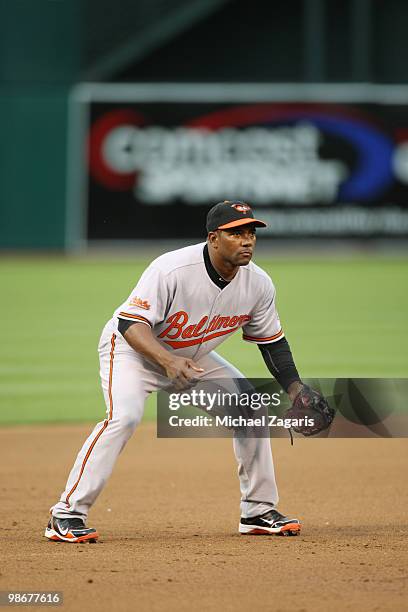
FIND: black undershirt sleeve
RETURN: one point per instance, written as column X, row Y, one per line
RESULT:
column 279, row 361
column 124, row 325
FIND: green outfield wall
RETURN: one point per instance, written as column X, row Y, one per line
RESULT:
column 40, row 59
column 32, row 211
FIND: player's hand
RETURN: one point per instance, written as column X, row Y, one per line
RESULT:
column 182, row 372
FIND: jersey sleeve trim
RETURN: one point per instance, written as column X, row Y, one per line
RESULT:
column 264, row 340
column 133, row 317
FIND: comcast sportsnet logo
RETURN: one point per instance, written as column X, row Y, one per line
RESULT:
column 284, row 154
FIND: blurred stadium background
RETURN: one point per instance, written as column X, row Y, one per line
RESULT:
column 123, row 122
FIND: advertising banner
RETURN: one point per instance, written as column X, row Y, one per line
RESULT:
column 309, row 168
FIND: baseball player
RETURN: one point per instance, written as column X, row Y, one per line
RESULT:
column 185, row 304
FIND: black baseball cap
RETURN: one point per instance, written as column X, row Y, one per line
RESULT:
column 231, row 213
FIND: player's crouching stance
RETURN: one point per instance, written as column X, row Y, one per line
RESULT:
column 165, row 335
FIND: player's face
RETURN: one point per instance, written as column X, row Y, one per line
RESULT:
column 236, row 245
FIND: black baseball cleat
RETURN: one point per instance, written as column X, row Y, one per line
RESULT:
column 270, row 523
column 72, row 530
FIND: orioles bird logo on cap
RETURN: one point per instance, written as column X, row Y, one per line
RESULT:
column 242, row 208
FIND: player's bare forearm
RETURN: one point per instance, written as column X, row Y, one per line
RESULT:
column 139, row 336
column 181, row 370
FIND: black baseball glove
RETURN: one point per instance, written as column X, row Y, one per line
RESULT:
column 311, row 411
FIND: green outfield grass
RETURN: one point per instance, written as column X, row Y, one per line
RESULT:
column 343, row 317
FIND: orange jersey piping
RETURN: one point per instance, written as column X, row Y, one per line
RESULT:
column 266, row 339
column 135, row 317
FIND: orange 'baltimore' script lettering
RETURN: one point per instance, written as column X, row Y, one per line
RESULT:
column 179, row 334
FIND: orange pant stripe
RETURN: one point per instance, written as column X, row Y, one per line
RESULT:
column 105, row 424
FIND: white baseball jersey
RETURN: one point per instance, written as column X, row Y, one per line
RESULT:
column 190, row 314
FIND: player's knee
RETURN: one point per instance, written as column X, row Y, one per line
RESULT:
column 129, row 421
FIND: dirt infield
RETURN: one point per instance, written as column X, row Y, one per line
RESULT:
column 168, row 522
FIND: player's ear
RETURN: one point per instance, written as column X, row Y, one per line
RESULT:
column 213, row 239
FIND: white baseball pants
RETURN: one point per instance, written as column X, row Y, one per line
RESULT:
column 127, row 378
